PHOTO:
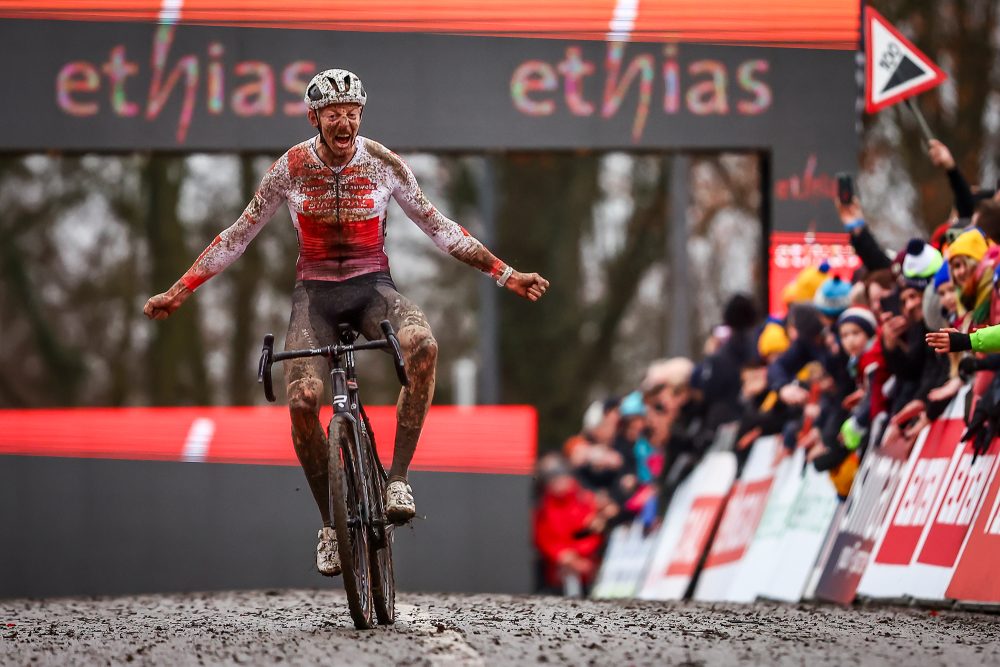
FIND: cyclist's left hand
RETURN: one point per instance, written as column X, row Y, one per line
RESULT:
column 529, row 285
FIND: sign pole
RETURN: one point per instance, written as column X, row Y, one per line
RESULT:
column 925, row 129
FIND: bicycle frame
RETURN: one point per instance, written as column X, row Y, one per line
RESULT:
column 347, row 403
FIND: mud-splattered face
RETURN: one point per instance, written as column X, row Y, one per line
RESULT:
column 339, row 124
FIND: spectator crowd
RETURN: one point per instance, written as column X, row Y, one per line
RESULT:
column 854, row 361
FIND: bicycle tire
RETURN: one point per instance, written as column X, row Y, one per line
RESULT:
column 383, row 577
column 352, row 541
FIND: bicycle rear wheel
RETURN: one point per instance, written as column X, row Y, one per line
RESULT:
column 346, row 494
column 383, row 577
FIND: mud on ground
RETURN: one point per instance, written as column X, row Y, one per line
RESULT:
column 311, row 627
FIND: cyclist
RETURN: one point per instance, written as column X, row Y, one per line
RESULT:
column 337, row 186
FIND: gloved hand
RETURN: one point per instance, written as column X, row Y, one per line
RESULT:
column 983, row 423
column 851, row 434
column 968, row 367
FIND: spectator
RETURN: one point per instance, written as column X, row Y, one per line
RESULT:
column 772, row 340
column 940, row 302
column 972, row 274
column 805, row 328
column 856, row 329
column 596, row 463
column 632, row 428
column 719, row 374
column 906, row 355
column 567, row 526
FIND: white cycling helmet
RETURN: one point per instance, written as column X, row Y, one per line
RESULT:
column 335, row 86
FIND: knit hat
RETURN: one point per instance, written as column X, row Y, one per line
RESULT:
column 921, row 263
column 804, row 287
column 862, row 317
column 772, row 340
column 833, row 296
column 942, row 276
column 632, row 405
column 970, row 243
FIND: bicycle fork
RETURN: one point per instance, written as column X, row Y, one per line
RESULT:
column 345, row 405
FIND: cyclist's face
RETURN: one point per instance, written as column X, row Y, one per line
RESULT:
column 339, row 124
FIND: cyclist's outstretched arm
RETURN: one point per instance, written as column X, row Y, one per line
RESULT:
column 228, row 245
column 454, row 239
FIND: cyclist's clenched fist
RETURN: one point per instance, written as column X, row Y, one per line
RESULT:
column 162, row 306
column 529, row 285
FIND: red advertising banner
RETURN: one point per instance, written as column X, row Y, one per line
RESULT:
column 790, row 252
column 739, row 524
column 946, row 534
column 704, row 514
column 977, row 577
column 482, row 439
column 920, row 492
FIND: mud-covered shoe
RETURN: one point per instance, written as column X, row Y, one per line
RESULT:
column 327, row 556
column 399, row 507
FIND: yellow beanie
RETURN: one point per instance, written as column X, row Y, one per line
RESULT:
column 772, row 340
column 971, row 244
column 804, row 287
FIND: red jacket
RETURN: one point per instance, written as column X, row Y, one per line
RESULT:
column 556, row 520
column 873, row 374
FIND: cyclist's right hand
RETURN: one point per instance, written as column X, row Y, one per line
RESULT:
column 162, row 306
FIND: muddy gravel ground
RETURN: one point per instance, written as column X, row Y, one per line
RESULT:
column 311, row 627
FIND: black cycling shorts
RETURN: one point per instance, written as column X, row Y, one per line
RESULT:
column 319, row 306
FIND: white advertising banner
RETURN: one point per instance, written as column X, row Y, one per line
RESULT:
column 807, row 525
column 624, row 562
column 687, row 526
column 761, row 557
column 746, row 506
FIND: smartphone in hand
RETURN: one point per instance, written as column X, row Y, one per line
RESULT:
column 845, row 187
column 892, row 304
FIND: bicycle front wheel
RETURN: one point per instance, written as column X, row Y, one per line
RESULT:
column 383, row 577
column 347, row 507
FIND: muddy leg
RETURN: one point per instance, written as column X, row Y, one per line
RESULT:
column 420, row 355
column 309, row 439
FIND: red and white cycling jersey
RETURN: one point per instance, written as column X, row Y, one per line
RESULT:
column 339, row 215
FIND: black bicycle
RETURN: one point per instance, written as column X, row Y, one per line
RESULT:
column 357, row 480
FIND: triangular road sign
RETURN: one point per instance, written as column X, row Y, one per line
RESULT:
column 895, row 69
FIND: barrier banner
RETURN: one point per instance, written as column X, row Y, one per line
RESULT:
column 896, row 546
column 687, row 527
column 824, row 553
column 744, row 510
column 755, row 568
column 930, row 521
column 625, row 562
column 864, row 515
column 948, row 532
column 666, row 539
column 977, row 577
column 807, row 525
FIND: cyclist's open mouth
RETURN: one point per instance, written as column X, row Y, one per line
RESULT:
column 342, row 140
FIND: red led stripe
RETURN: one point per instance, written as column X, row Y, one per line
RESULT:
column 482, row 439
